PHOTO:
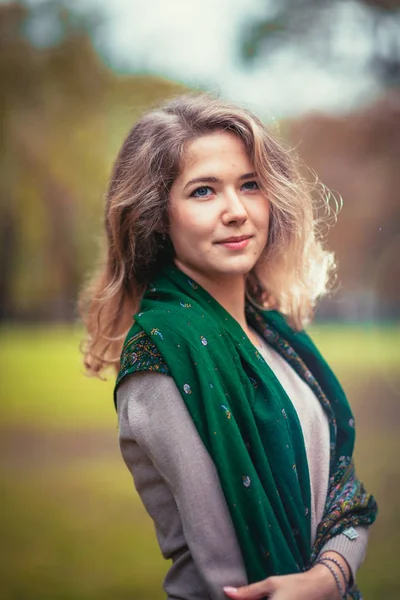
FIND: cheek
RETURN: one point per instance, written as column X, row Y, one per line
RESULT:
column 261, row 217
column 191, row 221
column 184, row 233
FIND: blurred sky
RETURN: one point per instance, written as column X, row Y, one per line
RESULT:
column 198, row 42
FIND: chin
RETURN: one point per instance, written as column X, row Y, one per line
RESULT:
column 234, row 266
column 239, row 267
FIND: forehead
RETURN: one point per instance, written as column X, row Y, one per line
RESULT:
column 213, row 151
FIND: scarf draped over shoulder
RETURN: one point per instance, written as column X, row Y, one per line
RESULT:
column 248, row 423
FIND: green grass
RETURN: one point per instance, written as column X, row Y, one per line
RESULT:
column 71, row 524
column 43, row 381
column 77, row 532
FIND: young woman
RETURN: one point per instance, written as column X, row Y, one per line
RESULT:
column 237, row 433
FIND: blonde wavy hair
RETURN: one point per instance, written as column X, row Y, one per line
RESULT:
column 294, row 269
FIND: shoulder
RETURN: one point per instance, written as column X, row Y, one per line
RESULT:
column 148, row 403
column 137, row 385
column 145, row 388
column 139, row 354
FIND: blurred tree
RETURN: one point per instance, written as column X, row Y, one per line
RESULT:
column 37, row 87
column 63, row 115
column 311, row 24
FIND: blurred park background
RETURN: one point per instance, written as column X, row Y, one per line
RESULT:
column 74, row 78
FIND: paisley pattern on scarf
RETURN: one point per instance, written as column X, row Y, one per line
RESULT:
column 247, row 422
column 140, row 354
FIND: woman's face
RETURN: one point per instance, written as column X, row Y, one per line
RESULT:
column 218, row 216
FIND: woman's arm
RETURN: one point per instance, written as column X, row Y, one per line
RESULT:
column 182, row 578
column 153, row 416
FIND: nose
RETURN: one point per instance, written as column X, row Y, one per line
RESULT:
column 234, row 209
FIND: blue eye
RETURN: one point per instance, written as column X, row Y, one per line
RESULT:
column 251, row 185
column 202, row 192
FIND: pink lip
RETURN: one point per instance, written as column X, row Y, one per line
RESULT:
column 236, row 243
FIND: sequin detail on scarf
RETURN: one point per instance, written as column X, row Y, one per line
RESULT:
column 345, row 492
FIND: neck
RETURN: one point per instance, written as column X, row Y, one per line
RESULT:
column 228, row 291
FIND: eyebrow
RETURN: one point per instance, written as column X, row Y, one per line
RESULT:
column 208, row 179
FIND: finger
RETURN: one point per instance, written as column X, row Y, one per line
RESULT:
column 254, row 591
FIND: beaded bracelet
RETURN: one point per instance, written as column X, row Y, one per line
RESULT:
column 320, row 561
column 337, row 563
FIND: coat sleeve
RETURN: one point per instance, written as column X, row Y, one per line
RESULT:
column 179, row 486
column 353, row 549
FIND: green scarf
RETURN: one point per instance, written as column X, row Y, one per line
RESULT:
column 248, row 423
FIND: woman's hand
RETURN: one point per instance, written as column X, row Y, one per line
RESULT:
column 315, row 584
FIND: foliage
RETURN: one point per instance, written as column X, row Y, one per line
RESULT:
column 63, row 116
column 312, row 26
